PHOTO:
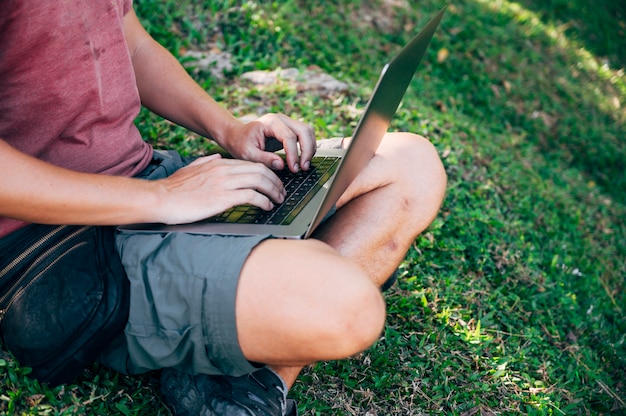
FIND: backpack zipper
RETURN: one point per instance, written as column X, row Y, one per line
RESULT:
column 36, row 262
column 16, row 261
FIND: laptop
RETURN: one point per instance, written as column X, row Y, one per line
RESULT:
column 311, row 195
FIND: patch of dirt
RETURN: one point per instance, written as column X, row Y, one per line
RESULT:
column 382, row 16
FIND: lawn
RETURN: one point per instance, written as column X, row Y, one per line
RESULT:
column 513, row 301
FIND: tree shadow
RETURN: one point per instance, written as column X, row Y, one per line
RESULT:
column 600, row 25
column 513, row 67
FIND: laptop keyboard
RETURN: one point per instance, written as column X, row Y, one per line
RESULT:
column 300, row 187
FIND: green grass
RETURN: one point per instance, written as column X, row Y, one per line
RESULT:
column 513, row 301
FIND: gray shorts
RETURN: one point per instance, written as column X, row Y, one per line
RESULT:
column 182, row 306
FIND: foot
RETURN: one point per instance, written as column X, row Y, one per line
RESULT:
column 390, row 281
column 332, row 143
column 262, row 393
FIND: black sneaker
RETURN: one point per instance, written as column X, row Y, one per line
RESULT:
column 390, row 281
column 262, row 393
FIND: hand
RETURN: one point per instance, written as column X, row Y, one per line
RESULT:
column 248, row 142
column 211, row 185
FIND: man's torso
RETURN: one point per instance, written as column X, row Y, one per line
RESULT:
column 67, row 88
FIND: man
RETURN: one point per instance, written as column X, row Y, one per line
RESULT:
column 231, row 319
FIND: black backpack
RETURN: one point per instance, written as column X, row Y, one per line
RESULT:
column 64, row 296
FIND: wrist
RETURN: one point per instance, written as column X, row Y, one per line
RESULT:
column 156, row 205
column 221, row 124
column 226, row 132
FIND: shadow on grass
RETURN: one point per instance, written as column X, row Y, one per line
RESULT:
column 600, row 25
column 539, row 85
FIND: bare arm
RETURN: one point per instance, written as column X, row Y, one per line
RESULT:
column 35, row 191
column 167, row 89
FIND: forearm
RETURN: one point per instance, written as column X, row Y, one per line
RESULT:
column 35, row 191
column 166, row 88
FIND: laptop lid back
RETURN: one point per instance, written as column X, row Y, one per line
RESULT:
column 383, row 104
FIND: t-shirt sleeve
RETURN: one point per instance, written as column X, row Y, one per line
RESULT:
column 127, row 5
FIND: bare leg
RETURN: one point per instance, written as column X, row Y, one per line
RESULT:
column 320, row 299
column 388, row 205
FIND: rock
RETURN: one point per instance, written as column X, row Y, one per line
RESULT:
column 311, row 79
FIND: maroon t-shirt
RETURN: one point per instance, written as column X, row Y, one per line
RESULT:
column 67, row 88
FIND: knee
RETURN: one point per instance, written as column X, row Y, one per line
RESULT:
column 419, row 161
column 357, row 322
column 418, row 172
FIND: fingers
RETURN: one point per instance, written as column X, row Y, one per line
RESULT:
column 297, row 138
column 256, row 177
column 235, row 175
column 246, row 175
column 306, row 139
column 211, row 185
column 257, row 141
